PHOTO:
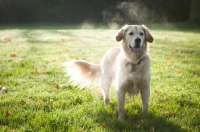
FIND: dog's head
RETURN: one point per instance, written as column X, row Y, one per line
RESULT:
column 134, row 36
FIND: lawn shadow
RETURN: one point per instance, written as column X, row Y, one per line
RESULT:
column 40, row 26
column 135, row 123
column 182, row 26
column 51, row 26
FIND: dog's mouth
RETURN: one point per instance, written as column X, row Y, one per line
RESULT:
column 135, row 49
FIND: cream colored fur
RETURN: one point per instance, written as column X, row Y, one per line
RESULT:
column 127, row 65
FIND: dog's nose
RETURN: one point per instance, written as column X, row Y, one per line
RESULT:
column 137, row 40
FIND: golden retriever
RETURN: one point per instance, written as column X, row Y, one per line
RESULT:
column 128, row 65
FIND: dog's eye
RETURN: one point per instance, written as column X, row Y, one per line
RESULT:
column 141, row 33
column 131, row 33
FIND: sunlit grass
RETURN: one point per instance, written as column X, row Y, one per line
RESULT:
column 30, row 69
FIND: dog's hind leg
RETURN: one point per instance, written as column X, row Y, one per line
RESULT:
column 106, row 83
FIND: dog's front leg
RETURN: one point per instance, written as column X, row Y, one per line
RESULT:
column 145, row 93
column 121, row 98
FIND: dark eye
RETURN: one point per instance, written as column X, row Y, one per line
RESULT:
column 141, row 33
column 131, row 33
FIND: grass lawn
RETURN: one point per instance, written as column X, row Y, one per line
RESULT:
column 30, row 70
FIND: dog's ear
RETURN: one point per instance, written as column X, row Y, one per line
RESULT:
column 149, row 37
column 120, row 34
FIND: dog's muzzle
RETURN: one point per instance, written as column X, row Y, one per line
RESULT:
column 137, row 47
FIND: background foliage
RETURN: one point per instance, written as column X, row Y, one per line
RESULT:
column 76, row 11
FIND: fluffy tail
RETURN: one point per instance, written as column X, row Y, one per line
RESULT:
column 82, row 73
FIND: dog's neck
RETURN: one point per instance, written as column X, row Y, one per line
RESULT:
column 134, row 65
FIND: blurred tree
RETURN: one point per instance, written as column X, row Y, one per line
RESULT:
column 78, row 11
column 195, row 11
column 18, row 11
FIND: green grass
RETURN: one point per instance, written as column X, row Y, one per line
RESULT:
column 30, row 69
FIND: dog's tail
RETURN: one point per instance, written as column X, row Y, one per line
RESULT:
column 83, row 73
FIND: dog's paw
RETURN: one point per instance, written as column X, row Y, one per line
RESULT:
column 64, row 85
column 145, row 112
column 107, row 101
column 121, row 116
column 3, row 89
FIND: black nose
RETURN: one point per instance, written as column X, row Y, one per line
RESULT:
column 137, row 40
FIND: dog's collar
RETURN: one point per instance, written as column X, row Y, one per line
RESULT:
column 133, row 65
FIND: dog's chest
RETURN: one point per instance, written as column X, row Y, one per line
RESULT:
column 131, row 81
column 130, row 86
